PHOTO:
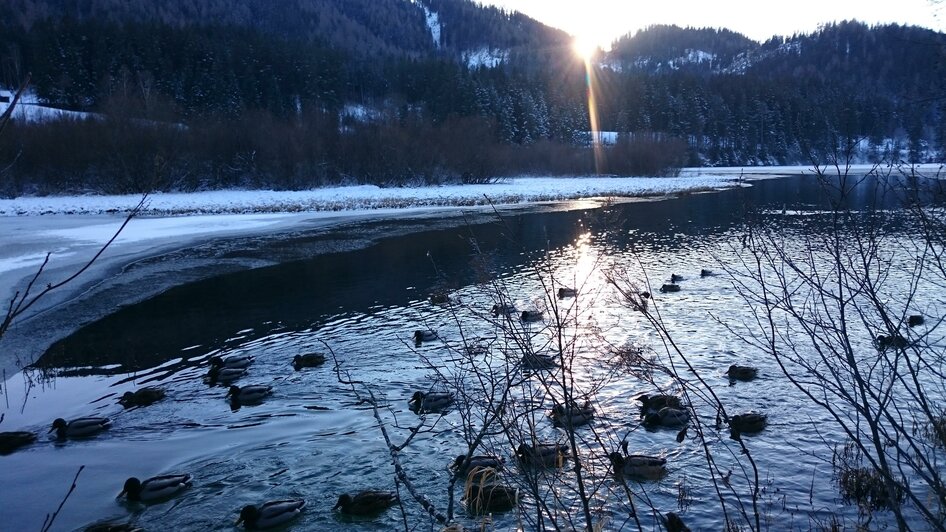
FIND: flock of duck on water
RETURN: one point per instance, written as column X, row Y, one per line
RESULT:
column 160, row 488
column 483, row 492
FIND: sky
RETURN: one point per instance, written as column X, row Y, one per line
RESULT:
column 602, row 21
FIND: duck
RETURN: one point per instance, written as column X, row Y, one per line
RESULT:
column 914, row 320
column 895, row 341
column 463, row 464
column 430, row 402
column 741, row 373
column 674, row 523
column 530, row 316
column 706, row 273
column 670, row 287
column 653, row 403
column 11, row 441
column 538, row 361
column 505, row 309
column 424, row 336
column 236, row 362
column 224, row 376
column 141, row 397
column 674, row 278
column 490, row 498
column 368, row 502
column 748, row 423
column 155, row 488
column 572, row 415
column 308, row 360
column 270, row 514
column 542, row 454
column 80, row 427
column 638, row 465
column 667, row 417
column 439, row 298
column 253, row 393
column 567, row 292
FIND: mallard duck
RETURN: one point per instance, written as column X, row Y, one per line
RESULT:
column 538, row 361
column 542, row 454
column 674, row 278
column 270, row 514
column 11, row 441
column 439, row 298
column 367, row 502
column 225, row 376
column 748, row 423
column 155, row 488
column 482, row 493
column 530, row 316
column 238, row 362
column 638, row 465
column 670, row 287
column 741, row 373
column 489, row 498
column 914, row 320
column 567, row 292
column 653, row 403
column 706, row 273
column 673, row 523
column 308, row 360
column 430, row 401
column 462, row 465
column 572, row 415
column 505, row 309
column 141, row 397
column 80, row 427
column 253, row 393
column 893, row 341
column 424, row 336
column 667, row 417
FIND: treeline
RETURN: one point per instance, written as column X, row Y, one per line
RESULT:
column 364, row 28
column 222, row 106
column 257, row 150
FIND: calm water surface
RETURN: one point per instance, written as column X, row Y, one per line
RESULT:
column 314, row 439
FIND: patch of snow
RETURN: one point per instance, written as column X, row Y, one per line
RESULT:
column 361, row 113
column 485, row 57
column 433, row 24
column 29, row 109
column 607, row 138
column 699, row 56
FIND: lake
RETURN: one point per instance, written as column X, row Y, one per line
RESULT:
column 316, row 437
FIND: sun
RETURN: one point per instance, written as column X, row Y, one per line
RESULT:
column 584, row 47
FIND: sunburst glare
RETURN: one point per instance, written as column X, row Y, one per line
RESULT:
column 585, row 48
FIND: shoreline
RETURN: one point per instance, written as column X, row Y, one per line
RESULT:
column 157, row 252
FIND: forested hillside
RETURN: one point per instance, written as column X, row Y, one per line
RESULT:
column 298, row 93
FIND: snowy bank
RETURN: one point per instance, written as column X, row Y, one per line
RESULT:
column 366, row 197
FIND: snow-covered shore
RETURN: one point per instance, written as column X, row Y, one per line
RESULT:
column 365, row 197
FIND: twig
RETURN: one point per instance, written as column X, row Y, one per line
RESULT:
column 48, row 522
